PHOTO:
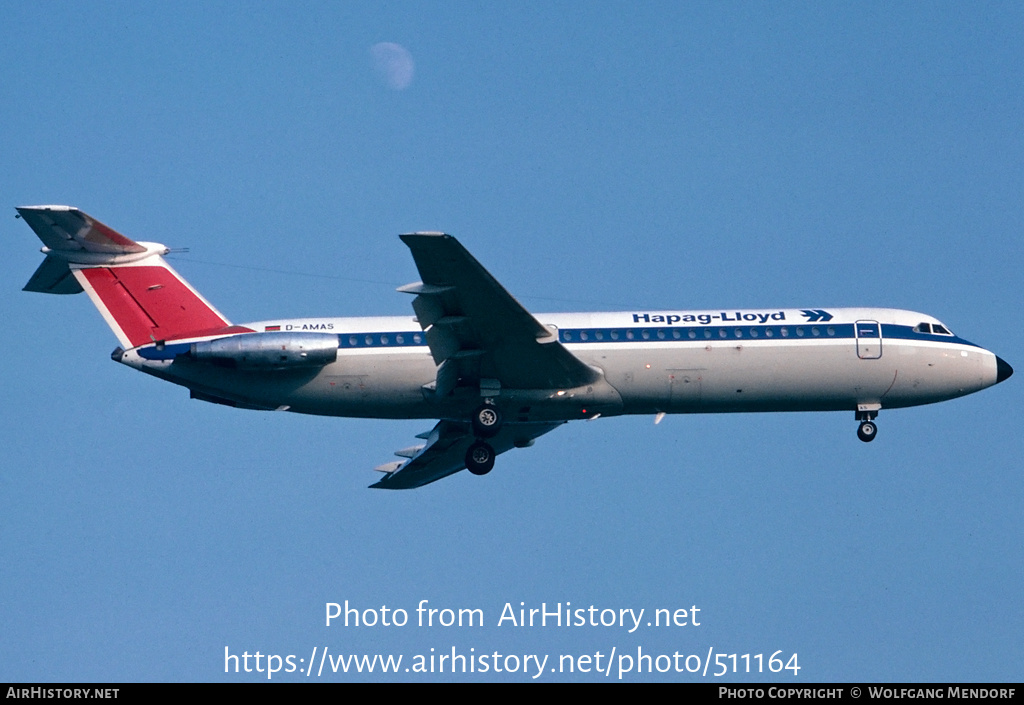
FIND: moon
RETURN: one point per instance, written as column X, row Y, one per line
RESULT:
column 393, row 64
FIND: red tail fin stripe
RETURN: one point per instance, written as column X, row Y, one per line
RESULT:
column 150, row 302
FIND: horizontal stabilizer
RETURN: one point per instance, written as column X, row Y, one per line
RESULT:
column 53, row 277
column 64, row 228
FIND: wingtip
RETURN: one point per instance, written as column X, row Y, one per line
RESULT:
column 382, row 484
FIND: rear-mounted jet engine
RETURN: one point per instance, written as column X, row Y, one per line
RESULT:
column 268, row 350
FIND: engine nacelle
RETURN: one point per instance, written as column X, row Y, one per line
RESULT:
column 269, row 350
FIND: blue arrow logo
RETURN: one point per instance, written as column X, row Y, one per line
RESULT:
column 816, row 316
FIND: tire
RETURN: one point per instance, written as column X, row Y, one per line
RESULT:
column 867, row 431
column 480, row 458
column 486, row 421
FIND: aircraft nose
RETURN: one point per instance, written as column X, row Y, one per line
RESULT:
column 1003, row 370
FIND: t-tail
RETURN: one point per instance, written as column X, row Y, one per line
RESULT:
column 140, row 296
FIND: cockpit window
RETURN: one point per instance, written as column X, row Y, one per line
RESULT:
column 936, row 328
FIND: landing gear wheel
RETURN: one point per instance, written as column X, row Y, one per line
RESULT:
column 867, row 431
column 480, row 458
column 486, row 421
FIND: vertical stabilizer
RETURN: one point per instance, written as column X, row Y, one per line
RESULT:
column 140, row 296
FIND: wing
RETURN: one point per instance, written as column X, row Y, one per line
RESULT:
column 478, row 334
column 444, row 452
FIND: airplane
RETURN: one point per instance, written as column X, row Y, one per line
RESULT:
column 493, row 375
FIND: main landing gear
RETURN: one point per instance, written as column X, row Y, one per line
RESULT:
column 486, row 423
column 866, row 414
column 480, row 458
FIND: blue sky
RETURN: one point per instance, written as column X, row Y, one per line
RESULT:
column 592, row 156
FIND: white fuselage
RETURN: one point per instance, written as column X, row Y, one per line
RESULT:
column 650, row 362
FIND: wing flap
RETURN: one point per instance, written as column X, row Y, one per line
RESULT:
column 410, row 452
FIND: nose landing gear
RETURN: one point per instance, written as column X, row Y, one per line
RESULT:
column 866, row 414
column 866, row 431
